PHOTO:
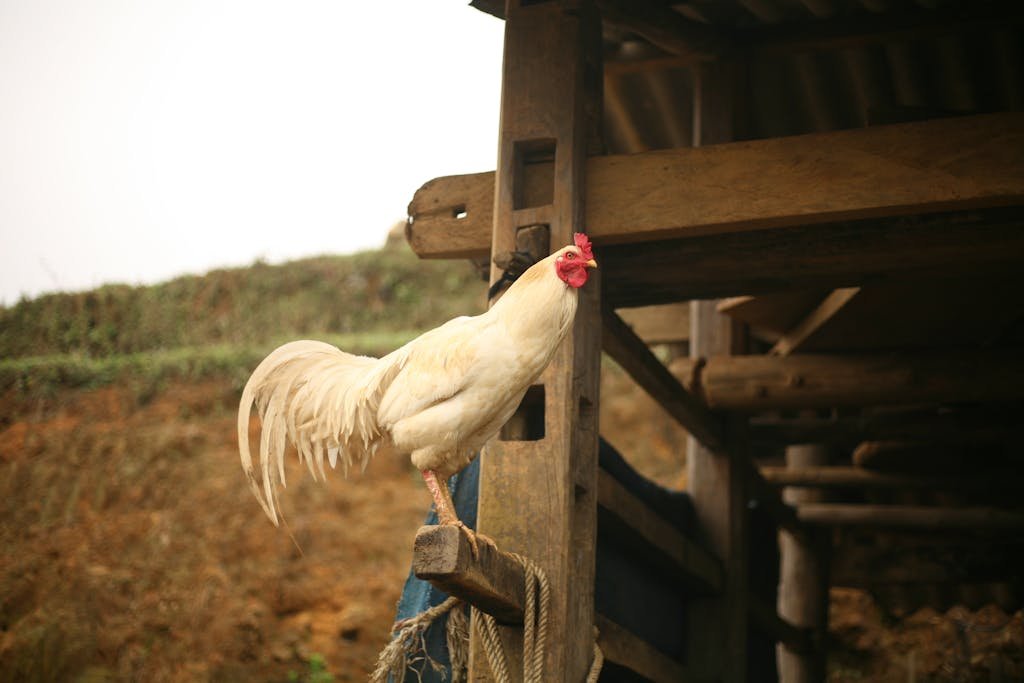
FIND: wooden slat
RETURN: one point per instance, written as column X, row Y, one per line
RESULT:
column 629, row 351
column 689, row 560
column 911, row 517
column 933, row 166
column 753, row 383
column 493, row 582
column 625, row 649
column 859, row 478
column 832, row 304
column 783, row 514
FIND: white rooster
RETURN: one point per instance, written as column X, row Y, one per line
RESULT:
column 438, row 399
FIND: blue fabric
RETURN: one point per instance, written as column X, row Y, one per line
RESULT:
column 419, row 595
column 628, row 589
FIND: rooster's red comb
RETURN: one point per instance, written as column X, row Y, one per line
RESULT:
column 583, row 242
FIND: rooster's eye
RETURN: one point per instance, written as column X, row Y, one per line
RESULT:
column 570, row 255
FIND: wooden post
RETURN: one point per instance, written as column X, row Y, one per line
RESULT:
column 803, row 578
column 538, row 497
column 717, row 646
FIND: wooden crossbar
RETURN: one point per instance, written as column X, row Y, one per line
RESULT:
column 933, row 166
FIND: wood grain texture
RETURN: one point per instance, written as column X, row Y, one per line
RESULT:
column 927, row 167
column 839, row 477
column 803, row 598
column 538, row 498
column 912, row 517
column 492, row 582
column 756, row 383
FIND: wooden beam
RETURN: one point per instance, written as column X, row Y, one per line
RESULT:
column 927, row 167
column 859, row 478
column 830, row 306
column 803, row 598
column 912, row 517
column 629, row 351
column 783, row 514
column 493, row 582
column 623, row 345
column 620, row 646
column 687, row 560
column 756, row 383
column 844, row 254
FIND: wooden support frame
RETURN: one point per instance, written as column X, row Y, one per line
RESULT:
column 860, row 478
column 538, row 498
column 922, row 518
column 938, row 166
column 803, row 597
column 757, row 383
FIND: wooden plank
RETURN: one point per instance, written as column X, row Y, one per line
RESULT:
column 690, row 561
column 549, row 110
column 629, row 351
column 620, row 646
column 845, row 254
column 941, row 165
column 665, row 324
column 831, row 305
column 493, row 582
column 858, row 478
column 783, row 514
column 754, row 383
column 912, row 517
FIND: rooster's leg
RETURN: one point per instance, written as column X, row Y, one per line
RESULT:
column 438, row 487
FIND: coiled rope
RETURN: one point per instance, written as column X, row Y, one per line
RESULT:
column 395, row 658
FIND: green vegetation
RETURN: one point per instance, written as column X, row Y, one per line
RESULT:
column 222, row 323
column 376, row 291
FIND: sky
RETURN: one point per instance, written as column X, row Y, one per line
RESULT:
column 144, row 139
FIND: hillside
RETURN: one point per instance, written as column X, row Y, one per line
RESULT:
column 133, row 550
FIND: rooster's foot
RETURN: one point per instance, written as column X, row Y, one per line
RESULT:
column 473, row 537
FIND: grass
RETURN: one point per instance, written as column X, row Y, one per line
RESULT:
column 148, row 371
column 376, row 291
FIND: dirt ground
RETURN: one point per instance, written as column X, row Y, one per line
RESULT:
column 133, row 551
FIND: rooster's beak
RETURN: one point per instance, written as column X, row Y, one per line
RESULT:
column 592, row 263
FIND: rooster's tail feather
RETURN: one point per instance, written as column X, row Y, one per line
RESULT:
column 321, row 399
